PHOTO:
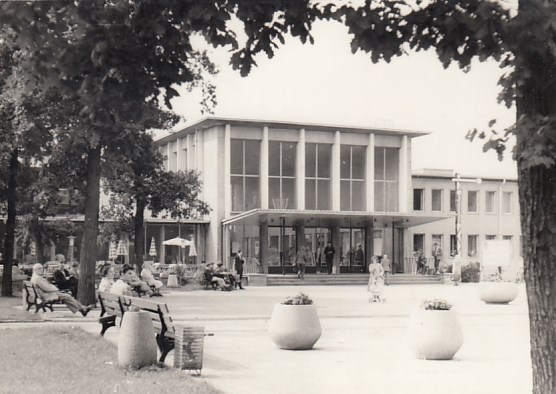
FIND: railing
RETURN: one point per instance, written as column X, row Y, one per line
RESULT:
column 251, row 266
column 410, row 264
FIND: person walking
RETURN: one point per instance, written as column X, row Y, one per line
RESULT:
column 387, row 265
column 329, row 252
column 360, row 258
column 376, row 280
column 239, row 261
column 301, row 259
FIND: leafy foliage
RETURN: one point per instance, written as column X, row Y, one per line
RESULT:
column 436, row 305
column 299, row 299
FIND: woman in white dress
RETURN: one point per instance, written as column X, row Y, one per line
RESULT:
column 376, row 280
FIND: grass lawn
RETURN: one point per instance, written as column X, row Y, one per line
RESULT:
column 68, row 360
column 8, row 314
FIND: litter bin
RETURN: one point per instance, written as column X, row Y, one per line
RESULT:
column 172, row 281
column 188, row 350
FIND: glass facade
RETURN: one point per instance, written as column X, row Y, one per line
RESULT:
column 352, row 250
column 244, row 174
column 318, row 159
column 352, row 178
column 281, row 173
column 387, row 179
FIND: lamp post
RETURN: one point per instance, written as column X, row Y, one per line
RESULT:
column 458, row 180
column 70, row 249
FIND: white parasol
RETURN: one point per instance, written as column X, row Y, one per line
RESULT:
column 192, row 248
column 122, row 249
column 152, row 249
column 112, row 250
column 181, row 242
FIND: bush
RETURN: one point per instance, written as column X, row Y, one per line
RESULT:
column 470, row 273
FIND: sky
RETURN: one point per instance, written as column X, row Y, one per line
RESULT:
column 325, row 83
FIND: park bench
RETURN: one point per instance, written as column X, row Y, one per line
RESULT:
column 33, row 298
column 113, row 306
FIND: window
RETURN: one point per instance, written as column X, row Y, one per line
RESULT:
column 317, row 176
column 418, row 202
column 436, row 202
column 281, row 169
column 352, row 178
column 453, row 201
column 507, row 206
column 472, row 244
column 472, row 203
column 490, row 198
column 490, row 237
column 437, row 238
column 386, row 179
column 244, row 174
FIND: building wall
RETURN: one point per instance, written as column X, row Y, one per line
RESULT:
column 481, row 223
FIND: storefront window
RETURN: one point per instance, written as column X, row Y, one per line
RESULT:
column 352, row 257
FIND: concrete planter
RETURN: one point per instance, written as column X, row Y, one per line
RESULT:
column 434, row 334
column 295, row 327
column 498, row 292
column 136, row 342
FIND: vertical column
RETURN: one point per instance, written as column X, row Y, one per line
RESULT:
column 336, row 172
column 263, row 177
column 300, row 236
column 178, row 154
column 404, row 182
column 370, row 173
column 168, row 156
column 263, row 246
column 227, row 185
column 162, row 248
column 300, row 171
column 368, row 244
column 189, row 150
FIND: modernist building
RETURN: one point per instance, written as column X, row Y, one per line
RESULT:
column 275, row 186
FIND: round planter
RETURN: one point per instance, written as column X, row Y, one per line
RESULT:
column 136, row 342
column 434, row 334
column 294, row 327
column 497, row 292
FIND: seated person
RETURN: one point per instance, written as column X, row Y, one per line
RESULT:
column 63, row 280
column 49, row 292
column 107, row 277
column 148, row 278
column 129, row 282
column 74, row 270
column 122, row 287
column 212, row 274
column 230, row 278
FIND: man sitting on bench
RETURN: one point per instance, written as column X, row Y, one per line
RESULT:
column 49, row 292
column 129, row 282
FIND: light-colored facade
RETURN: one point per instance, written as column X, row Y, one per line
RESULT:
column 276, row 186
column 489, row 210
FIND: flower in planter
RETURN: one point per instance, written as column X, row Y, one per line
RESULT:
column 495, row 277
column 300, row 299
column 436, row 305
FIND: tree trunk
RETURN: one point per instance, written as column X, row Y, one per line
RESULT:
column 9, row 239
column 88, row 255
column 537, row 188
column 139, row 227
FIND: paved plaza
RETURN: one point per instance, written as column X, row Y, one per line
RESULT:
column 362, row 347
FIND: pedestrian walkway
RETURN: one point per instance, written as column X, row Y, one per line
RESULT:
column 362, row 347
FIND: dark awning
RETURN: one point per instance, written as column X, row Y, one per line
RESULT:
column 291, row 217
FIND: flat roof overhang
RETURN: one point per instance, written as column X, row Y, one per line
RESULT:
column 291, row 217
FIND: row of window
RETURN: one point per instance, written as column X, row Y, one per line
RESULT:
column 282, row 162
column 472, row 201
column 469, row 249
